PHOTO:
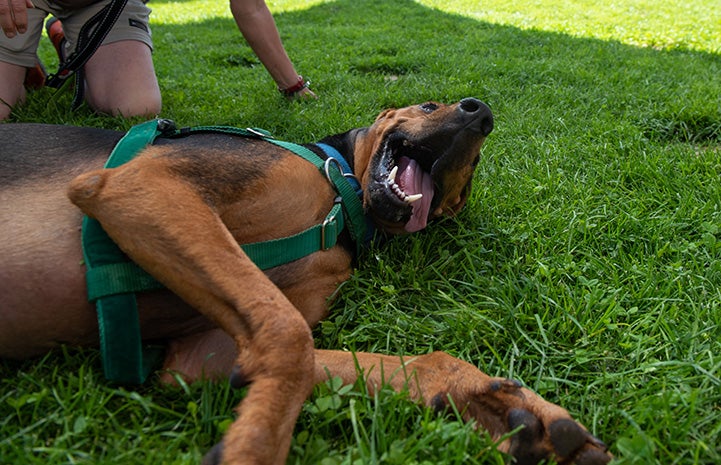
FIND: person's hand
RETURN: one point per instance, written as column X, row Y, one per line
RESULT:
column 14, row 16
column 304, row 94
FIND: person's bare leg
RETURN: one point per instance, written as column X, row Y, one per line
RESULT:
column 120, row 80
column 12, row 91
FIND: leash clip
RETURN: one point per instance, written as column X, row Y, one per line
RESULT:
column 166, row 126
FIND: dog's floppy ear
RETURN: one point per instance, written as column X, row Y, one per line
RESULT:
column 385, row 113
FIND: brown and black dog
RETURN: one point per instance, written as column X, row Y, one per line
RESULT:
column 180, row 209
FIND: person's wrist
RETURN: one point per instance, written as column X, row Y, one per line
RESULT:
column 295, row 89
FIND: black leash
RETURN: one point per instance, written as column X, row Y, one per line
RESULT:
column 90, row 38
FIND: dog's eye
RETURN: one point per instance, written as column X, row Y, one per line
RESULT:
column 429, row 107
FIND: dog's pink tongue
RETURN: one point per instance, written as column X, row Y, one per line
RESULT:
column 413, row 180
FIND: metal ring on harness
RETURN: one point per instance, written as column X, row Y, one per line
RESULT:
column 326, row 168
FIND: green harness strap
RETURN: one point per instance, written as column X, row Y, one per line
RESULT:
column 113, row 279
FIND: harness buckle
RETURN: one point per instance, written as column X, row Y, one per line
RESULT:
column 329, row 221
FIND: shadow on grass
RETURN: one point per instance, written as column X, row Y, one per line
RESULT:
column 363, row 56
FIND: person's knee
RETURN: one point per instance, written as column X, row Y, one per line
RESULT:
column 154, row 107
column 12, row 91
column 120, row 80
column 148, row 104
column 5, row 111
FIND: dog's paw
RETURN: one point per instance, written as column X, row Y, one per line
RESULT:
column 238, row 380
column 543, row 431
column 569, row 442
column 214, row 456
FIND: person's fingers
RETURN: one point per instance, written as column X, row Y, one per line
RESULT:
column 14, row 16
column 305, row 94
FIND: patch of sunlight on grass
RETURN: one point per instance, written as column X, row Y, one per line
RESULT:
column 183, row 12
column 643, row 23
column 276, row 6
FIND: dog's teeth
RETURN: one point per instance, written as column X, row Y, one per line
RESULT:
column 402, row 195
column 392, row 175
column 413, row 198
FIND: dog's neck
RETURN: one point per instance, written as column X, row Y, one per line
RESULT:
column 340, row 147
column 344, row 143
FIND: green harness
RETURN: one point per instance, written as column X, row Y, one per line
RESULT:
column 113, row 279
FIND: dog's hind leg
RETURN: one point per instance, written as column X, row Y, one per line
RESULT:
column 164, row 224
column 498, row 405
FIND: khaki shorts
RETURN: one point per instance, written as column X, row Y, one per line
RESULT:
column 22, row 49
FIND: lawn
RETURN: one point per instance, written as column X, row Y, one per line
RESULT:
column 587, row 263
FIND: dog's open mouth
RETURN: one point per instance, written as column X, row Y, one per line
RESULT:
column 404, row 182
column 412, row 185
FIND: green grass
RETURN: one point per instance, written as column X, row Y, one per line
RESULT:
column 587, row 263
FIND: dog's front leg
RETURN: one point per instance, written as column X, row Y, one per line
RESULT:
column 546, row 431
column 164, row 224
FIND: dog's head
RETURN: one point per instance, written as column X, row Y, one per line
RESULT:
column 416, row 163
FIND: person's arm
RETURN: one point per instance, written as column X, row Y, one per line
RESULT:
column 258, row 27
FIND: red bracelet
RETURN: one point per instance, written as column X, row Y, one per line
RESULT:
column 295, row 88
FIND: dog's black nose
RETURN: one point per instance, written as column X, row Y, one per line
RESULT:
column 474, row 108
